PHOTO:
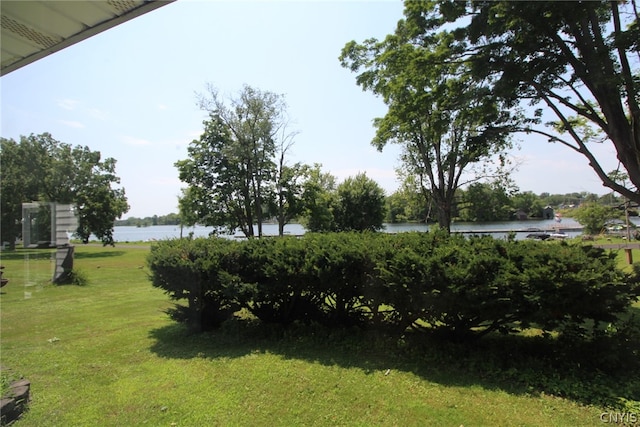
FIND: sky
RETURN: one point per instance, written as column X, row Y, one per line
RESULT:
column 131, row 93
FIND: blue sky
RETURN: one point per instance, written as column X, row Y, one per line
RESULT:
column 130, row 93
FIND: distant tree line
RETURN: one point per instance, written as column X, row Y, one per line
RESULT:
column 331, row 207
column 489, row 202
column 169, row 219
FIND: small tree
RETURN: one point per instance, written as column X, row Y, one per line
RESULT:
column 319, row 199
column 594, row 216
column 361, row 205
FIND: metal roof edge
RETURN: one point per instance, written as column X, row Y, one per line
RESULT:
column 148, row 6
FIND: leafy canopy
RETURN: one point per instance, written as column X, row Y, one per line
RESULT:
column 578, row 62
column 360, row 205
column 447, row 121
column 40, row 168
column 236, row 171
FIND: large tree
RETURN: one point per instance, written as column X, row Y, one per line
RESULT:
column 447, row 122
column 40, row 168
column 237, row 167
column 579, row 61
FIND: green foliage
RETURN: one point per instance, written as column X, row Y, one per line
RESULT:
column 357, row 204
column 218, row 192
column 289, row 201
column 275, row 283
column 341, row 268
column 566, row 57
column 457, row 74
column 42, row 168
column 75, row 277
column 319, row 201
column 528, row 203
column 447, row 122
column 409, row 203
column 594, row 217
column 491, row 202
column 114, row 332
column 236, row 170
column 360, row 205
column 456, row 287
column 486, row 202
column 195, row 270
column 169, row 219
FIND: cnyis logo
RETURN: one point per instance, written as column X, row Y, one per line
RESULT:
column 625, row 418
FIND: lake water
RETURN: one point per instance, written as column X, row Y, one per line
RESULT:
column 496, row 229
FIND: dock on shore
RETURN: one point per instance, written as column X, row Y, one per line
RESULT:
column 520, row 230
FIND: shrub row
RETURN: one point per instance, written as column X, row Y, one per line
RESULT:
column 452, row 285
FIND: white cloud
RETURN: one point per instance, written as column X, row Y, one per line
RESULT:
column 68, row 104
column 131, row 140
column 71, row 124
column 163, row 107
column 98, row 114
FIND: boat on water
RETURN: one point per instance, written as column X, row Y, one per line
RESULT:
column 544, row 235
column 558, row 235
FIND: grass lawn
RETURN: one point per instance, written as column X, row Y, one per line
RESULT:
column 105, row 354
column 622, row 256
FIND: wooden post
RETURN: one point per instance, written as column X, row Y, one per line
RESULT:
column 629, row 256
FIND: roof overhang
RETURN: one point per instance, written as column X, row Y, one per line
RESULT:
column 31, row 30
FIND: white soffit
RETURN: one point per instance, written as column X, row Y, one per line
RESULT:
column 31, row 29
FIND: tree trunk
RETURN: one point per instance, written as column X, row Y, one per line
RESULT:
column 444, row 217
column 281, row 227
column 443, row 208
column 259, row 208
column 281, row 215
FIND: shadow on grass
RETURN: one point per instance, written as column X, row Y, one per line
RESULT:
column 94, row 255
column 516, row 365
column 33, row 254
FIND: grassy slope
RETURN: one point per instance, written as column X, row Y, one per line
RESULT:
column 106, row 354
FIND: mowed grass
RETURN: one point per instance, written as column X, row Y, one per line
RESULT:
column 106, row 354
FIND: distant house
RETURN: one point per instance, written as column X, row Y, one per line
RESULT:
column 547, row 212
column 520, row 215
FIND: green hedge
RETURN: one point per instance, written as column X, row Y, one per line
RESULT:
column 455, row 286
